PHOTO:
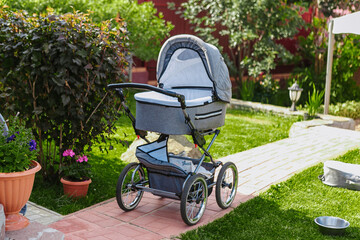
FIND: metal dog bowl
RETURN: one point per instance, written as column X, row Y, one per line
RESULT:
column 332, row 225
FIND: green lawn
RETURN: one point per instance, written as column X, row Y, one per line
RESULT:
column 287, row 210
column 243, row 130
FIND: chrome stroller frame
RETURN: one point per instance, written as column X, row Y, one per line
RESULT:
column 166, row 179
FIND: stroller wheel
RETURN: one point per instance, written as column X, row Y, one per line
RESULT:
column 226, row 185
column 193, row 199
column 127, row 196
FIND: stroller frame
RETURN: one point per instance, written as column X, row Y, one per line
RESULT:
column 192, row 187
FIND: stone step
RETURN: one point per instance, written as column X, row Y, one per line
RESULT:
column 39, row 218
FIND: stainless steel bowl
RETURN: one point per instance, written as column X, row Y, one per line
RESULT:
column 332, row 225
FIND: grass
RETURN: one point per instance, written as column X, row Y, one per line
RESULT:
column 243, row 130
column 287, row 210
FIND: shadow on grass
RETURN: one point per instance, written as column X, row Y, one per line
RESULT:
column 260, row 218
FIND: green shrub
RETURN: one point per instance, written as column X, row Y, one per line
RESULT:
column 267, row 91
column 252, row 35
column 311, row 69
column 147, row 28
column 349, row 109
column 54, row 70
column 346, row 63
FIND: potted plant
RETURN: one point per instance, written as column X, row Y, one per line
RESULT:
column 17, row 171
column 76, row 172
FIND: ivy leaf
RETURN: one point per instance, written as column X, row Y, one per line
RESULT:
column 88, row 66
column 38, row 110
column 59, row 81
column 35, row 37
column 77, row 61
column 65, row 99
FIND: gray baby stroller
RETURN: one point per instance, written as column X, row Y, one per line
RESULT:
column 191, row 97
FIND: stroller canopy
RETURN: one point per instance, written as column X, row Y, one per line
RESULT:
column 185, row 61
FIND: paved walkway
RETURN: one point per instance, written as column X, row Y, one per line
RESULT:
column 259, row 168
column 266, row 165
column 157, row 218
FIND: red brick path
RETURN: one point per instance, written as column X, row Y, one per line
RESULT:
column 154, row 218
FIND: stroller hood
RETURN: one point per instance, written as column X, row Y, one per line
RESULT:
column 205, row 69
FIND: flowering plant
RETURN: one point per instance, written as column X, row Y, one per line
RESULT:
column 75, row 167
column 17, row 147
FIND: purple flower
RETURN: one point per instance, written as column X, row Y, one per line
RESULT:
column 11, row 138
column 32, row 145
column 68, row 152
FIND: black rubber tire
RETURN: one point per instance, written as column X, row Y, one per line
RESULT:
column 225, row 182
column 125, row 178
column 195, row 193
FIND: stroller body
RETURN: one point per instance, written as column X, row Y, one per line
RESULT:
column 190, row 99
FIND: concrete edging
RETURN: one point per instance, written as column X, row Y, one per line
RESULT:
column 327, row 120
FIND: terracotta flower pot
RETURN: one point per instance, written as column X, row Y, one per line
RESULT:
column 75, row 189
column 15, row 191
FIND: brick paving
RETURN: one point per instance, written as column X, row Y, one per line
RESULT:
column 154, row 218
column 259, row 168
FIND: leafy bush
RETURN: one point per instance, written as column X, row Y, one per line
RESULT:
column 17, row 148
column 346, row 63
column 54, row 70
column 349, row 109
column 267, row 90
column 313, row 54
column 252, row 35
column 146, row 27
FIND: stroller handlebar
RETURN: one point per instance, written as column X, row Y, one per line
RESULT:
column 180, row 97
column 198, row 138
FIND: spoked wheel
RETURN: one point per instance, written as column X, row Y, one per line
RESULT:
column 226, row 185
column 193, row 199
column 127, row 196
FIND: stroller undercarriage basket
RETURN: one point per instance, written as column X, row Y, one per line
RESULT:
column 168, row 172
column 191, row 97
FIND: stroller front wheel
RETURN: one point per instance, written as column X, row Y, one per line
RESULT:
column 193, row 199
column 127, row 196
column 226, row 185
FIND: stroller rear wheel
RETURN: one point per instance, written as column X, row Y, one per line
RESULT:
column 193, row 199
column 226, row 185
column 127, row 196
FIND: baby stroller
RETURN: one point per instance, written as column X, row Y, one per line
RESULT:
column 191, row 97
